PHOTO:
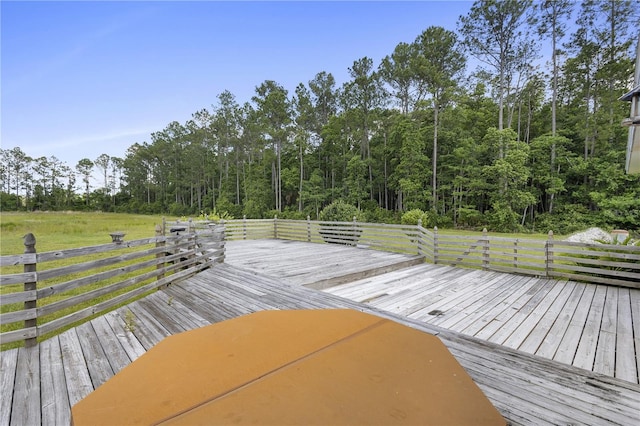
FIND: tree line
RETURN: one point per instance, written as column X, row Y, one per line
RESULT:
column 510, row 145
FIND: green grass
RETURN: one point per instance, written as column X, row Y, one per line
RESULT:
column 60, row 230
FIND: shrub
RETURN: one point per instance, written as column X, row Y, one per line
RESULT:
column 339, row 211
column 412, row 217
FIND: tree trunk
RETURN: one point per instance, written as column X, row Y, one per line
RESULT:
column 436, row 107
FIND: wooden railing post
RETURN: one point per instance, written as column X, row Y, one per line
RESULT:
column 244, row 226
column 548, row 255
column 164, row 225
column 222, row 240
column 435, row 245
column 419, row 237
column 485, row 250
column 190, row 226
column 515, row 253
column 30, row 247
column 275, row 227
column 354, row 241
column 159, row 256
column 308, row 228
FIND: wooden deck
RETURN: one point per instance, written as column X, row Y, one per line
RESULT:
column 38, row 385
column 585, row 325
column 314, row 265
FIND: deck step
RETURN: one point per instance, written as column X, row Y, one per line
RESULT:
column 372, row 272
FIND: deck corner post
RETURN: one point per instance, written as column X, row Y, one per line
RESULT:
column 548, row 251
column 29, row 248
column 435, row 245
column 244, row 226
column 160, row 242
column 275, row 227
column 308, row 228
column 223, row 240
column 485, row 250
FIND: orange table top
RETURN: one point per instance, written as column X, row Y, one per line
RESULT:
column 292, row 367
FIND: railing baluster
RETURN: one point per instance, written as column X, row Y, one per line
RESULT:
column 486, row 260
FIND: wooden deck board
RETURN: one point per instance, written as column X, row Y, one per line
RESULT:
column 8, row 365
column 54, row 391
column 26, row 408
column 586, row 352
column 549, row 346
column 635, row 314
column 76, row 371
column 527, row 389
column 544, row 323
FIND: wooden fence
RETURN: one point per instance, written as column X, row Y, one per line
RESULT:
column 46, row 292
column 551, row 258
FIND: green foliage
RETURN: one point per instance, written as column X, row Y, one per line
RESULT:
column 428, row 219
column 412, row 217
column 502, row 218
column 339, row 211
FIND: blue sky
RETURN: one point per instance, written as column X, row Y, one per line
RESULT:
column 84, row 78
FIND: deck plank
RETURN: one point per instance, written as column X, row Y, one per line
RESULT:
column 8, row 365
column 542, row 324
column 586, row 352
column 26, row 408
column 99, row 368
column 76, row 371
column 549, row 346
column 525, row 327
column 626, row 368
column 635, row 314
column 131, row 345
column 605, row 360
column 114, row 352
column 54, row 393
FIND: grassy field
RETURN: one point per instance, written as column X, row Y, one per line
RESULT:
column 61, row 230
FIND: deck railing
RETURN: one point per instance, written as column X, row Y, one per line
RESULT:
column 43, row 293
column 595, row 263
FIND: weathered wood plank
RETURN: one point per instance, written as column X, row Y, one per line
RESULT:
column 8, row 365
column 131, row 345
column 551, row 342
column 524, row 329
column 634, row 295
column 605, row 360
column 76, row 371
column 476, row 307
column 586, row 352
column 26, row 408
column 147, row 329
column 97, row 362
column 113, row 350
column 625, row 351
column 497, row 324
column 54, row 393
column 567, row 349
